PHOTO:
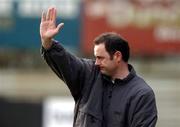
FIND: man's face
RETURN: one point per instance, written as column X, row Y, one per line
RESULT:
column 107, row 65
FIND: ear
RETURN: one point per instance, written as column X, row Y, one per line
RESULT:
column 118, row 56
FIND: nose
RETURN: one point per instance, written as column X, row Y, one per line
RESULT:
column 97, row 62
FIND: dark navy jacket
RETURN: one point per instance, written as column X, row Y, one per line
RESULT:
column 98, row 101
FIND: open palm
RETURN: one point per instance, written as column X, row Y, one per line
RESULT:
column 48, row 28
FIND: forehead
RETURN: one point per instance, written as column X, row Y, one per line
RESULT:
column 100, row 50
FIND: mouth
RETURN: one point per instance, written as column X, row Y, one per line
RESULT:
column 101, row 68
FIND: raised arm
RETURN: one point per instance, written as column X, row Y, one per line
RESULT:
column 72, row 70
column 48, row 28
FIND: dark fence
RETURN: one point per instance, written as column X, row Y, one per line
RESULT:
column 20, row 114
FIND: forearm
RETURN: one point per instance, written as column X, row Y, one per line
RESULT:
column 48, row 55
column 68, row 67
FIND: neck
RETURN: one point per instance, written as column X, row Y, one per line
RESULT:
column 121, row 72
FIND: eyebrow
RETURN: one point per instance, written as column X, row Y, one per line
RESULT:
column 99, row 57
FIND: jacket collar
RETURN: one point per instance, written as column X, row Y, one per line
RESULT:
column 130, row 76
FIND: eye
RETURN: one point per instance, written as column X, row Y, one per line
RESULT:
column 99, row 57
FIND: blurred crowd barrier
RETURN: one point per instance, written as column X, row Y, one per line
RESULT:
column 52, row 112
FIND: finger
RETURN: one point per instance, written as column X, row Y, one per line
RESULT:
column 48, row 14
column 54, row 15
column 51, row 14
column 43, row 17
column 59, row 27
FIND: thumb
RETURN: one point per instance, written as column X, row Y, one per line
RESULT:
column 59, row 27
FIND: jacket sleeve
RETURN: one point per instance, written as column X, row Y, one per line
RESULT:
column 69, row 68
column 144, row 111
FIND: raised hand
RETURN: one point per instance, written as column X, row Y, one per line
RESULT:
column 48, row 28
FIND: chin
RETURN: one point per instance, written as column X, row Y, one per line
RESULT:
column 104, row 72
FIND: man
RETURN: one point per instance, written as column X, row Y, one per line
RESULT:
column 107, row 92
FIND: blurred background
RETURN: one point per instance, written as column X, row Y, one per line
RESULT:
column 31, row 95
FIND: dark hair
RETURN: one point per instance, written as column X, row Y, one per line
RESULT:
column 113, row 42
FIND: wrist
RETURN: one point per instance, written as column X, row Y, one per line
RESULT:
column 46, row 43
